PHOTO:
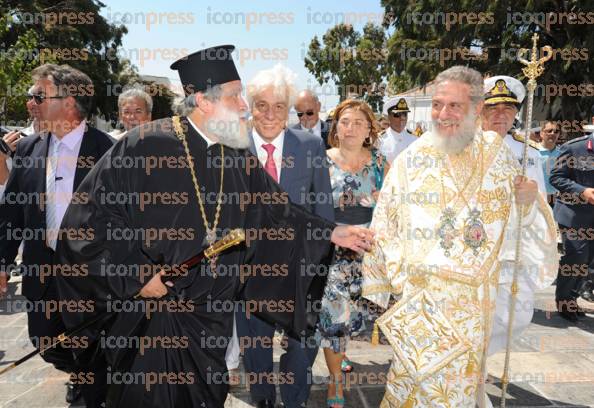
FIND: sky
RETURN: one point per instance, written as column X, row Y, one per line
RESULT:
column 264, row 32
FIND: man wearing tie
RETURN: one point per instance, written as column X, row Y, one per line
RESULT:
column 297, row 161
column 47, row 169
column 308, row 108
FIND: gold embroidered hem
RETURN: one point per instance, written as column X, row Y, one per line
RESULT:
column 382, row 288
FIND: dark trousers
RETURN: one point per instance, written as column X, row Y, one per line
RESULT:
column 573, row 266
column 294, row 375
column 44, row 327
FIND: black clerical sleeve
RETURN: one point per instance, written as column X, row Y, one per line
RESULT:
column 98, row 253
column 298, row 245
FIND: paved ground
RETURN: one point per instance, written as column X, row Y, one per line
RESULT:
column 552, row 366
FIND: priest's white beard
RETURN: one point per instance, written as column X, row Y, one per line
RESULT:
column 454, row 144
column 229, row 128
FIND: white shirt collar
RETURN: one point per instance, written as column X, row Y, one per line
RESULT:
column 317, row 129
column 72, row 139
column 277, row 154
column 277, row 142
column 206, row 139
column 393, row 132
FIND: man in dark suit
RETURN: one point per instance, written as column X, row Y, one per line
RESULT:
column 297, row 161
column 308, row 108
column 47, row 169
column 573, row 176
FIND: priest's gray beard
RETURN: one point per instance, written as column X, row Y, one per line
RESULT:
column 454, row 144
column 229, row 127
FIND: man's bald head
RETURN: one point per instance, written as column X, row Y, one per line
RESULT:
column 308, row 107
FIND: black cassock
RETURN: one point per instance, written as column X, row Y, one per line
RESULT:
column 138, row 209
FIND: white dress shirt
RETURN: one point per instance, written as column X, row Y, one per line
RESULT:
column 277, row 155
column 392, row 143
column 68, row 150
column 316, row 130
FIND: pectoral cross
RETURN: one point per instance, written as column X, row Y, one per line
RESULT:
column 211, row 237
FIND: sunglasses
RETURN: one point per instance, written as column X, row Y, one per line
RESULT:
column 398, row 114
column 38, row 98
column 308, row 113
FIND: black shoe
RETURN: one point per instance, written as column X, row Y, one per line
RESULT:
column 570, row 316
column 265, row 404
column 581, row 313
column 587, row 295
column 72, row 392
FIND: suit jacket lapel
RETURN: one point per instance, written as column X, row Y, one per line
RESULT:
column 252, row 145
column 40, row 152
column 88, row 151
column 290, row 145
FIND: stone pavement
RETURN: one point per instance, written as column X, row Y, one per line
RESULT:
column 552, row 366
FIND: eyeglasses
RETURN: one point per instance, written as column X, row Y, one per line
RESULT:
column 398, row 114
column 278, row 109
column 39, row 98
column 308, row 113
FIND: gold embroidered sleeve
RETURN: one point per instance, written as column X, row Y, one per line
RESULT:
column 381, row 266
column 539, row 258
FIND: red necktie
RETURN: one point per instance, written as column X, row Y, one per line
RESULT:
column 270, row 166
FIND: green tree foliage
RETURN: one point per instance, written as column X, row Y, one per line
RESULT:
column 14, row 76
column 354, row 61
column 431, row 35
column 33, row 32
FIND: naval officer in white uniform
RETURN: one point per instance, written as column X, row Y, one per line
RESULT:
column 503, row 97
column 396, row 138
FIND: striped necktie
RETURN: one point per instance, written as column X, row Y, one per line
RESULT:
column 51, row 217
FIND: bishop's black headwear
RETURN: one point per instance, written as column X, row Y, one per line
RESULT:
column 206, row 68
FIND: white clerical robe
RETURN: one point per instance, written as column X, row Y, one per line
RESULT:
column 444, row 227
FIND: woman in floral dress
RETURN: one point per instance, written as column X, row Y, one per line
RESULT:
column 357, row 171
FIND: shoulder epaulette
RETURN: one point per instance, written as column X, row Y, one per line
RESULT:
column 519, row 138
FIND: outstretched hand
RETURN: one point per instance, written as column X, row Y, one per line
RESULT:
column 358, row 239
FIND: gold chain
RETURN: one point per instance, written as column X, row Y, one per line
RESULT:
column 461, row 192
column 210, row 233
